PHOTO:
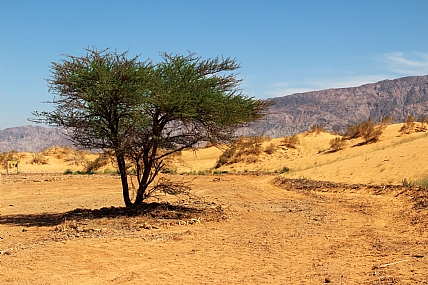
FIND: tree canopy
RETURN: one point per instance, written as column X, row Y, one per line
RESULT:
column 133, row 108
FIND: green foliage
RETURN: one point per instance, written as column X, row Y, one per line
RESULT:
column 167, row 170
column 108, row 101
column 423, row 181
column 285, row 169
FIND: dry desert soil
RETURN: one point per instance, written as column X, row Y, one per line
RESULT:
column 335, row 218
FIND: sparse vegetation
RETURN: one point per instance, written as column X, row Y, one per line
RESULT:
column 270, row 149
column 285, row 169
column 59, row 152
column 406, row 183
column 76, row 158
column 8, row 156
column 367, row 130
column 291, row 141
column 338, row 143
column 102, row 160
column 409, row 125
column 316, row 129
column 387, row 120
column 423, row 181
column 423, row 125
column 39, row 159
column 245, row 149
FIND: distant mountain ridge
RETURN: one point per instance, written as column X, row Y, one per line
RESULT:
column 331, row 108
column 336, row 108
column 31, row 138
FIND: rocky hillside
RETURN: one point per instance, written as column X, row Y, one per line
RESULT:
column 336, row 108
column 332, row 108
column 30, row 138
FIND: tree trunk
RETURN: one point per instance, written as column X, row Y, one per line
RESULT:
column 144, row 183
column 124, row 178
column 140, row 194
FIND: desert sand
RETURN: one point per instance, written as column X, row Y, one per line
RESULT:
column 340, row 217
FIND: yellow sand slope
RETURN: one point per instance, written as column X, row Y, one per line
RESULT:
column 394, row 158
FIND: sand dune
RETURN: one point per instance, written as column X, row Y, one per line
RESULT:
column 394, row 158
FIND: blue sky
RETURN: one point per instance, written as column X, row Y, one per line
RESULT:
column 284, row 47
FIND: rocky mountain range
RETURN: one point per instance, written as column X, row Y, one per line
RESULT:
column 30, row 138
column 334, row 109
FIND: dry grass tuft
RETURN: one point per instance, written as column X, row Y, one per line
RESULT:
column 270, row 149
column 59, row 152
column 102, row 160
column 76, row 158
column 38, row 159
column 316, row 129
column 7, row 156
column 291, row 141
column 337, row 144
column 409, row 126
column 367, row 130
column 245, row 149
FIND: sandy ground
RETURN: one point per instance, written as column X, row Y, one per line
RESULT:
column 242, row 229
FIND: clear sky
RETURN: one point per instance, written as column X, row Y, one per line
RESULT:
column 284, row 47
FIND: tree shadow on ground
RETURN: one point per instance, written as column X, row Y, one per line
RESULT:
column 151, row 210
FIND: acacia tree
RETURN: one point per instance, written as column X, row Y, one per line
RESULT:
column 106, row 100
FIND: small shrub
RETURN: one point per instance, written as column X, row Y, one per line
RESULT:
column 409, row 125
column 7, row 156
column 285, row 169
column 102, row 160
column 85, row 172
column 167, row 170
column 291, row 141
column 337, row 144
column 76, row 158
column 245, row 149
column 387, row 120
column 59, row 152
column 423, row 125
column 38, row 159
column 225, row 157
column 109, row 171
column 373, row 133
column 406, row 183
column 316, row 129
column 367, row 130
column 68, row 172
column 270, row 149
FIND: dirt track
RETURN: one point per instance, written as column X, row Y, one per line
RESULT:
column 241, row 230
